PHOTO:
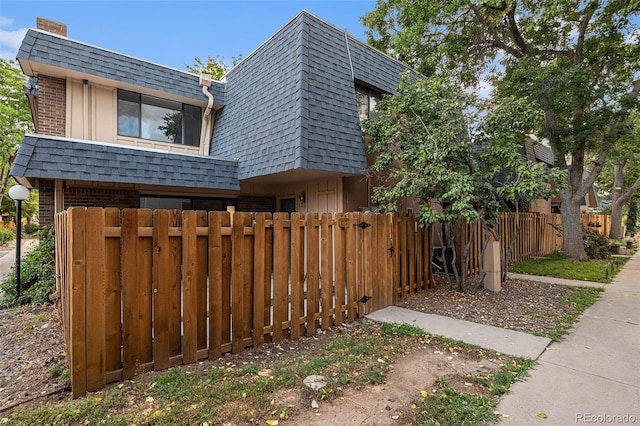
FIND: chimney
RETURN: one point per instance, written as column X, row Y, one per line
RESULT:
column 51, row 26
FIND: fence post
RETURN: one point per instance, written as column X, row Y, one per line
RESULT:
column 77, row 316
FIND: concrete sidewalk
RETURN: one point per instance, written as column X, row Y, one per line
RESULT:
column 593, row 376
column 8, row 258
column 501, row 340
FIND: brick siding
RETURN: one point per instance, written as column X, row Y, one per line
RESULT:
column 256, row 204
column 51, row 26
column 46, row 191
column 94, row 197
column 52, row 104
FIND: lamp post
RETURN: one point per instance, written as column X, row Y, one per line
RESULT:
column 18, row 193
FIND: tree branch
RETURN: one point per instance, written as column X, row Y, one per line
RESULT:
column 611, row 137
column 582, row 29
column 516, row 35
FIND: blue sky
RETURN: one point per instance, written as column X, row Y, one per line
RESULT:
column 172, row 32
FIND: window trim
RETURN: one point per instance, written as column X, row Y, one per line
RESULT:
column 187, row 113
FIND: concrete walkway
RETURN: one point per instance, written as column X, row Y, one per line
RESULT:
column 8, row 258
column 508, row 342
column 592, row 376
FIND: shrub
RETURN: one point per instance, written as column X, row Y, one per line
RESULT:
column 37, row 276
column 31, row 228
column 595, row 244
column 6, row 235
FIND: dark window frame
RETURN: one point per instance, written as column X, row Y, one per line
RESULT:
column 371, row 96
column 188, row 132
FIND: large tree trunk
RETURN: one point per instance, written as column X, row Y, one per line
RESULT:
column 618, row 198
column 573, row 246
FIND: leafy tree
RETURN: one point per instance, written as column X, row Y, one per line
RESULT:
column 15, row 118
column 622, row 172
column 29, row 206
column 632, row 217
column 216, row 66
column 576, row 62
column 425, row 150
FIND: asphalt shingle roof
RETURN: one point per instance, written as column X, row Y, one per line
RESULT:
column 291, row 103
column 52, row 157
column 52, row 49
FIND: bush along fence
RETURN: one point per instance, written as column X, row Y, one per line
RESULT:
column 142, row 290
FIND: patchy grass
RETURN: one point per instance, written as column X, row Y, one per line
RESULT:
column 247, row 393
column 602, row 271
column 451, row 404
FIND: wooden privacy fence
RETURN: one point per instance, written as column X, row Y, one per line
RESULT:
column 143, row 291
column 599, row 222
column 533, row 235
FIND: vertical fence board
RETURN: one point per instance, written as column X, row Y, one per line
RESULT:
column 216, row 221
column 326, row 260
column 77, row 301
column 131, row 295
column 201, row 280
column 297, row 275
column 340, row 266
column 280, row 274
column 175, row 247
column 363, row 264
column 313, row 272
column 237, row 282
column 113, row 295
column 144, row 276
column 259, row 280
column 95, row 298
column 351, row 266
column 162, row 293
column 189, row 287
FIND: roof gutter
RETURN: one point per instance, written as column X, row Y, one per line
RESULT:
column 207, row 119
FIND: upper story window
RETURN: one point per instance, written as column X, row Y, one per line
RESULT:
column 367, row 100
column 147, row 117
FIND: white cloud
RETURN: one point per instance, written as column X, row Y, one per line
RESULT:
column 10, row 39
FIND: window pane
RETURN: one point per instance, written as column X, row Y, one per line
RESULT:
column 192, row 125
column 160, row 123
column 363, row 103
column 128, row 118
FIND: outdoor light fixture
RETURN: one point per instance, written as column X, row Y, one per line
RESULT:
column 18, row 193
column 302, row 197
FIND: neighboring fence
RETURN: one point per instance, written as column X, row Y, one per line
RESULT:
column 599, row 222
column 142, row 291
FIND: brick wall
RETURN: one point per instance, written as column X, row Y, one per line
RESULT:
column 256, row 204
column 46, row 190
column 51, row 26
column 52, row 104
column 84, row 197
column 94, row 197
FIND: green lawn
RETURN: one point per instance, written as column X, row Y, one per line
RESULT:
column 602, row 271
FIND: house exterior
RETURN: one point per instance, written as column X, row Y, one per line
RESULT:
column 279, row 133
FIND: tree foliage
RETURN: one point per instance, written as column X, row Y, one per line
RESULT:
column 15, row 117
column 621, row 174
column 426, row 150
column 215, row 66
column 575, row 62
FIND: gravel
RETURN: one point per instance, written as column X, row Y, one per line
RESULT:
column 528, row 306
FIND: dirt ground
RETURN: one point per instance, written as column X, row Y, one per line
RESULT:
column 33, row 357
